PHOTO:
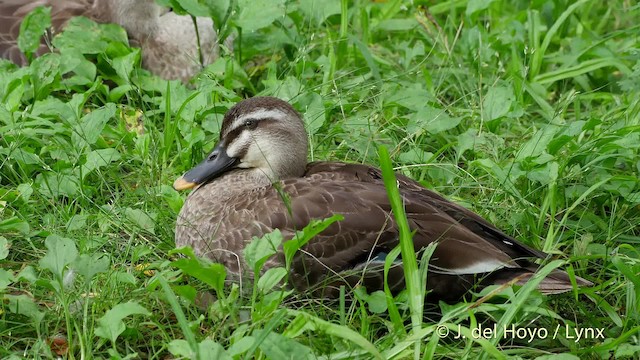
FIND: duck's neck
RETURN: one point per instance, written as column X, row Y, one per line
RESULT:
column 233, row 183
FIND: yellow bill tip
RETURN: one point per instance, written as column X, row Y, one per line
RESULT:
column 182, row 184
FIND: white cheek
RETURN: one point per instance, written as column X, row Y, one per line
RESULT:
column 254, row 150
column 254, row 156
column 257, row 153
column 239, row 143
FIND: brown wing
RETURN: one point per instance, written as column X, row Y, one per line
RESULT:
column 368, row 230
column 457, row 247
column 464, row 216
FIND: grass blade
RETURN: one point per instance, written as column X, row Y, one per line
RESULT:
column 412, row 275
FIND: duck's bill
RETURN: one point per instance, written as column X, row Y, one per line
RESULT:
column 182, row 184
column 217, row 163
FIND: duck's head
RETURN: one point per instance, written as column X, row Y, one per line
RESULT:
column 263, row 136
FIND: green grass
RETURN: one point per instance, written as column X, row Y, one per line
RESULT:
column 526, row 112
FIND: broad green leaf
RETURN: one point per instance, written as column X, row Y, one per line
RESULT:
column 415, row 156
column 412, row 96
column 269, row 303
column 431, row 120
column 314, row 112
column 315, row 227
column 504, row 176
column 468, row 141
column 297, row 326
column 212, row 274
column 90, row 127
column 14, row 224
column 319, row 10
column 99, row 158
column 569, row 133
column 241, row 346
column 124, row 65
column 271, row 278
column 90, row 265
column 55, row 185
column 186, row 291
column 257, row 14
column 60, row 253
column 538, row 143
column 6, row 278
column 497, row 102
column 83, row 36
column 376, row 301
column 82, row 72
column 473, row 6
column 79, row 100
column 118, row 92
column 626, row 351
column 45, row 71
column 32, row 27
column 259, row 250
column 25, row 191
column 124, row 278
column 12, row 95
column 288, row 89
column 143, row 220
column 25, row 157
column 110, row 325
column 4, row 247
column 547, row 174
column 24, row 305
column 217, row 10
column 623, row 185
column 180, row 347
column 276, row 346
column 28, row 274
column 172, row 198
column 77, row 222
column 209, row 349
column 631, row 82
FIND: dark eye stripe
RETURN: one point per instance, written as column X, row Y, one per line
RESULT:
column 232, row 134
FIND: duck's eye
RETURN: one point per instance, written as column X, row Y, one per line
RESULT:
column 250, row 123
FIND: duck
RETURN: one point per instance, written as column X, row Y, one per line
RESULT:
column 257, row 179
column 168, row 41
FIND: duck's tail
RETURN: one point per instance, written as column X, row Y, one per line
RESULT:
column 556, row 282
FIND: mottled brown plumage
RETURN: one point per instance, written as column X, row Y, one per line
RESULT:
column 168, row 41
column 262, row 154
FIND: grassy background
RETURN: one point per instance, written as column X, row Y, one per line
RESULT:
column 527, row 112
